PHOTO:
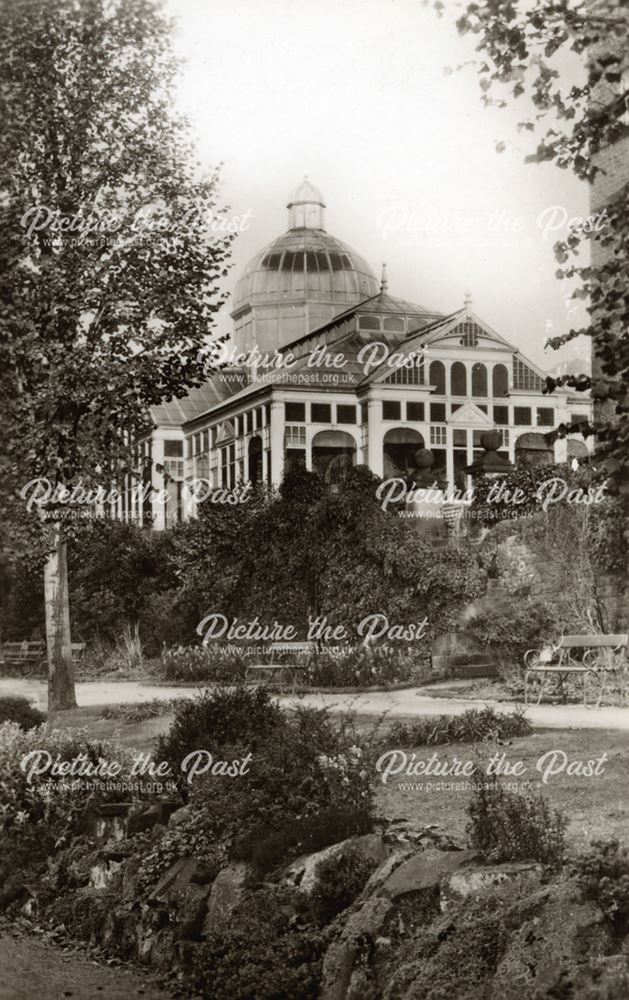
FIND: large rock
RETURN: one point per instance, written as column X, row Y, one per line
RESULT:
column 559, row 934
column 474, row 880
column 302, row 873
column 424, row 871
column 384, row 870
column 603, row 978
column 350, row 961
column 178, row 877
column 225, row 894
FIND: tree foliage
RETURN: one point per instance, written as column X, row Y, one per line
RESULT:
column 524, row 49
column 109, row 273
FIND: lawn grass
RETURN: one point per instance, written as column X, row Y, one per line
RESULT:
column 597, row 807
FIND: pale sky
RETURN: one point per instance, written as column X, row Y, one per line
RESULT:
column 354, row 93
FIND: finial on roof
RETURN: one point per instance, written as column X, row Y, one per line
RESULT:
column 383, row 281
column 467, row 301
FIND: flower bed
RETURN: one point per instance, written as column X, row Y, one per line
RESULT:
column 330, row 667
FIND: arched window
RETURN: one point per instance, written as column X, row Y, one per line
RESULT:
column 333, row 454
column 500, row 381
column 458, row 379
column 398, row 448
column 479, row 380
column 437, row 377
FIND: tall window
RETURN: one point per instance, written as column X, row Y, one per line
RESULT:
column 500, row 381
column 525, row 378
column 408, row 374
column 458, row 379
column 437, row 377
column 228, row 466
column 479, row 380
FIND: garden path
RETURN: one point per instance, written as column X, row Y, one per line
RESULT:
column 29, row 968
column 407, row 702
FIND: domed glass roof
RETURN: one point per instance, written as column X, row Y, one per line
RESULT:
column 306, row 263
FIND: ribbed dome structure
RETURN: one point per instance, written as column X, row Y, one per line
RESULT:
column 306, row 263
column 300, row 280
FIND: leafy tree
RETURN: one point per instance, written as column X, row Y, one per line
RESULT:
column 109, row 264
column 528, row 489
column 523, row 50
column 374, row 562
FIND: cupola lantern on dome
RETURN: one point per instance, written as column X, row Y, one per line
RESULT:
column 306, row 207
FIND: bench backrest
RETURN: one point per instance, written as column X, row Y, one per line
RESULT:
column 612, row 641
column 22, row 648
column 23, row 645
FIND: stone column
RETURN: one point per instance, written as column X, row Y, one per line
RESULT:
column 277, row 442
column 375, row 458
column 450, row 457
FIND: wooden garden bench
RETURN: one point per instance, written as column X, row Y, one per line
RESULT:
column 32, row 655
column 271, row 671
column 602, row 657
column 25, row 655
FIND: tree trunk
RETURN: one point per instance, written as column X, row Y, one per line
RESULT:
column 60, row 668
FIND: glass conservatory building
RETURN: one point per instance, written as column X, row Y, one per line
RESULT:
column 338, row 372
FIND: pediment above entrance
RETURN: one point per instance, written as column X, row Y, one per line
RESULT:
column 470, row 415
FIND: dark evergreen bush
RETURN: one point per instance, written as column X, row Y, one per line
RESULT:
column 15, row 708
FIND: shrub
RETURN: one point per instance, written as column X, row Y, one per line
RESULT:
column 508, row 826
column 15, row 708
column 53, row 807
column 236, row 717
column 340, row 879
column 604, row 877
column 516, row 625
column 303, row 765
column 472, row 725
